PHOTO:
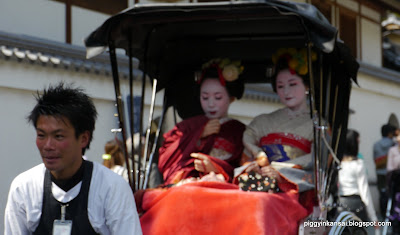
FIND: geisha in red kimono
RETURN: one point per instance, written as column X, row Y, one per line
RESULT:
column 208, row 147
column 221, row 150
column 211, row 142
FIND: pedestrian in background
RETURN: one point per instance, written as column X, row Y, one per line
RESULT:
column 354, row 193
column 113, row 158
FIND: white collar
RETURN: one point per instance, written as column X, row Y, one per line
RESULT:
column 298, row 113
column 224, row 119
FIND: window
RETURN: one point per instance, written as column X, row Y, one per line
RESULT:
column 348, row 30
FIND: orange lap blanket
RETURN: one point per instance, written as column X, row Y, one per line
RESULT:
column 219, row 208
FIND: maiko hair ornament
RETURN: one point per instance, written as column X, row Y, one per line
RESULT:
column 296, row 59
column 228, row 70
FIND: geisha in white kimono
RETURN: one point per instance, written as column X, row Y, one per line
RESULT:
column 284, row 137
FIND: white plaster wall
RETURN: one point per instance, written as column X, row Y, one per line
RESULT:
column 38, row 18
column 17, row 140
column 353, row 5
column 46, row 19
column 245, row 109
column 373, row 102
column 371, row 35
column 375, row 15
column 84, row 22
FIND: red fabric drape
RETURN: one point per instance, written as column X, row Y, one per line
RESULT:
column 220, row 208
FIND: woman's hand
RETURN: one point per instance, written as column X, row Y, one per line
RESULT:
column 253, row 166
column 212, row 127
column 264, row 171
column 203, row 164
column 262, row 159
column 271, row 172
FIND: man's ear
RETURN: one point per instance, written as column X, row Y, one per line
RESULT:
column 84, row 139
column 232, row 99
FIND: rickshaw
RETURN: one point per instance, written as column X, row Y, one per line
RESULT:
column 168, row 37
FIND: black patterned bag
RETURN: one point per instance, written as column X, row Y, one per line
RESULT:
column 253, row 181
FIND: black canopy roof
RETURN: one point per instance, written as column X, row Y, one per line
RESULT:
column 171, row 41
column 168, row 37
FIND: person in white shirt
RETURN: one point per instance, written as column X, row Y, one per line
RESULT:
column 113, row 158
column 354, row 192
column 393, row 162
column 66, row 194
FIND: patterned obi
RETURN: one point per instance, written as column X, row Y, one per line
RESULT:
column 282, row 147
column 222, row 149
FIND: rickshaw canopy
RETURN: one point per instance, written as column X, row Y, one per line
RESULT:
column 164, row 37
column 171, row 41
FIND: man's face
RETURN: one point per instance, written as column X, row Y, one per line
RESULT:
column 214, row 99
column 61, row 151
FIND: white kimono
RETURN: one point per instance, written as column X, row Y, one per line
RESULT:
column 278, row 121
column 288, row 139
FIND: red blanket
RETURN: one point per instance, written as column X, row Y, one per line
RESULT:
column 219, row 208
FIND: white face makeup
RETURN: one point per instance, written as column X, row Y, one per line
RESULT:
column 214, row 99
column 291, row 90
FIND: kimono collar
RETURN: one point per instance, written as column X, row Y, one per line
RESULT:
column 295, row 114
column 224, row 119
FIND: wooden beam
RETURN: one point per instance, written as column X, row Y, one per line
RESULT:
column 104, row 6
column 68, row 22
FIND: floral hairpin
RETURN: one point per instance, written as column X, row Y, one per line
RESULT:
column 227, row 70
column 296, row 58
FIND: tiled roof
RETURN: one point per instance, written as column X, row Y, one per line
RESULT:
column 37, row 51
column 42, row 52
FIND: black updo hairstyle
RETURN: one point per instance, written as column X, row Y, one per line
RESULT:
column 283, row 64
column 235, row 88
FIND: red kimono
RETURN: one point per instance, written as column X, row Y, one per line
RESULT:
column 175, row 162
